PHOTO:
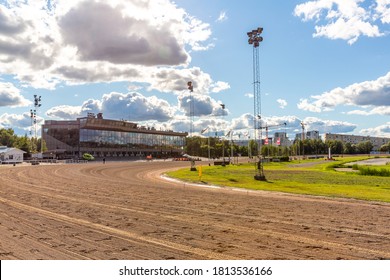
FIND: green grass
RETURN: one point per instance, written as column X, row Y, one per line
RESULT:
column 318, row 178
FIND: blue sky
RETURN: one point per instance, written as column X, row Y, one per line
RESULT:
column 323, row 62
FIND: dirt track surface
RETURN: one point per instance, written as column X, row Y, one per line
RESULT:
column 126, row 211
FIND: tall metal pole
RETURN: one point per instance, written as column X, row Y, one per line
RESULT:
column 223, row 139
column 191, row 89
column 254, row 40
column 37, row 104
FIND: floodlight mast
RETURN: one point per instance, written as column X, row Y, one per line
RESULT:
column 255, row 39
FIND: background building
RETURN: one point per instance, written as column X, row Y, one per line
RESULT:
column 11, row 155
column 109, row 138
column 377, row 142
column 314, row 134
column 281, row 139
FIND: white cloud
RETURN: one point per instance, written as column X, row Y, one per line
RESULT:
column 203, row 105
column 328, row 126
column 249, row 95
column 383, row 10
column 10, row 96
column 381, row 110
column 222, row 16
column 291, row 125
column 219, row 86
column 379, row 131
column 22, row 121
column 282, row 103
column 345, row 19
column 374, row 93
column 65, row 112
column 131, row 106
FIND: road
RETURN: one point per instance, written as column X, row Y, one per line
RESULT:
column 125, row 210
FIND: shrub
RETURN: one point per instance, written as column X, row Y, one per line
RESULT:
column 88, row 157
column 364, row 170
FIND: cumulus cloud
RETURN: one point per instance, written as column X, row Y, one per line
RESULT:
column 131, row 106
column 381, row 110
column 368, row 93
column 65, row 112
column 203, row 105
column 175, row 80
column 22, row 121
column 328, row 126
column 379, row 131
column 11, row 96
column 119, row 38
column 46, row 43
column 345, row 19
column 292, row 124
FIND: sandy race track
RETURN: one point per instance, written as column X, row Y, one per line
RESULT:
column 126, row 211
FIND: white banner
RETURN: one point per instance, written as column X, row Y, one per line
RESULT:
column 201, row 270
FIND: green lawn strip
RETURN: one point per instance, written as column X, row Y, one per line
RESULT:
column 314, row 180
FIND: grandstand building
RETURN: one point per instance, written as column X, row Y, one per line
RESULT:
column 109, row 138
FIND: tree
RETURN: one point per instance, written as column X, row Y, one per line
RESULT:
column 365, row 147
column 349, row 148
column 24, row 143
column 7, row 137
column 336, row 146
column 385, row 148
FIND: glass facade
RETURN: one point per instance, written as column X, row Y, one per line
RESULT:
column 92, row 138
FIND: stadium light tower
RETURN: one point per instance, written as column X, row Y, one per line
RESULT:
column 37, row 104
column 255, row 39
column 191, row 89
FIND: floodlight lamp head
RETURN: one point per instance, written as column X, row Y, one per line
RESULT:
column 190, row 87
column 259, row 30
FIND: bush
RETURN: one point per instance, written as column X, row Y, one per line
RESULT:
column 88, row 157
column 374, row 172
column 280, row 159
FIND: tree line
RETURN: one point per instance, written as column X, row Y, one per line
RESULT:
column 200, row 146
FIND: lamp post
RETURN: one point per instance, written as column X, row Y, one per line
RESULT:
column 254, row 39
column 223, row 140
column 208, row 139
column 37, row 104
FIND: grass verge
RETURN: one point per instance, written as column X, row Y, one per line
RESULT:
column 318, row 178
